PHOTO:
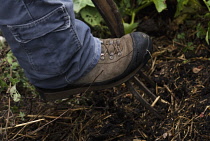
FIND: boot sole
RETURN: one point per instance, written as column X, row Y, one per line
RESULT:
column 52, row 96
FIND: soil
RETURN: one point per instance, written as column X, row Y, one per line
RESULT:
column 182, row 81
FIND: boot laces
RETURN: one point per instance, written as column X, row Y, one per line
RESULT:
column 110, row 47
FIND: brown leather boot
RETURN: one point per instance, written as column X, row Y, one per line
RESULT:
column 121, row 58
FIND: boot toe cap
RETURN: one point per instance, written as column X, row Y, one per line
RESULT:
column 142, row 49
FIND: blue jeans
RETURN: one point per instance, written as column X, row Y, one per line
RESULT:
column 52, row 47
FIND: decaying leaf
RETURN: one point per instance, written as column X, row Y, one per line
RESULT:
column 15, row 94
column 197, row 69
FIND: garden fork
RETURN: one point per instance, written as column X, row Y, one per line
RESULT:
column 112, row 17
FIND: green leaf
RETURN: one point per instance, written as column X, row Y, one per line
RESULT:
column 9, row 58
column 207, row 4
column 187, row 6
column 80, row 4
column 15, row 94
column 91, row 16
column 208, row 34
column 130, row 27
column 160, row 5
column 139, row 2
column 180, row 6
column 201, row 32
column 181, row 36
column 126, row 4
column 190, row 46
column 22, row 115
column 2, row 41
column 207, row 15
column 12, row 60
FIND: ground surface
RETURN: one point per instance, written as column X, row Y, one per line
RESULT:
column 182, row 80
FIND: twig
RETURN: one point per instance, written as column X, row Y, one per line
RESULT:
column 156, row 100
column 32, row 137
column 179, row 44
column 172, row 94
column 152, row 69
column 184, row 125
column 48, row 123
column 45, row 116
column 23, row 124
column 18, row 133
column 38, row 129
column 7, row 120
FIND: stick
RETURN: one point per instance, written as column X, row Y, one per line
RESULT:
column 45, row 116
column 31, row 133
column 23, row 124
column 156, row 100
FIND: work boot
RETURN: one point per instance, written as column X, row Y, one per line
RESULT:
column 121, row 58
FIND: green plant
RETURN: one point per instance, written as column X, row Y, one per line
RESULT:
column 22, row 115
column 208, row 34
column 189, row 8
column 207, row 2
column 11, row 73
column 189, row 46
column 80, row 4
column 88, row 12
column 90, row 15
column 130, row 9
column 181, row 38
column 185, row 7
column 15, row 94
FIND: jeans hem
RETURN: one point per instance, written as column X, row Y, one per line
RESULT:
column 95, row 59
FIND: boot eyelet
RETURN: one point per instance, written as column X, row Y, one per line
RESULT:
column 119, row 53
column 102, row 56
column 111, row 57
column 112, row 54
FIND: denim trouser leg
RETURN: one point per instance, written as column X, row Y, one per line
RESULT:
column 52, row 47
